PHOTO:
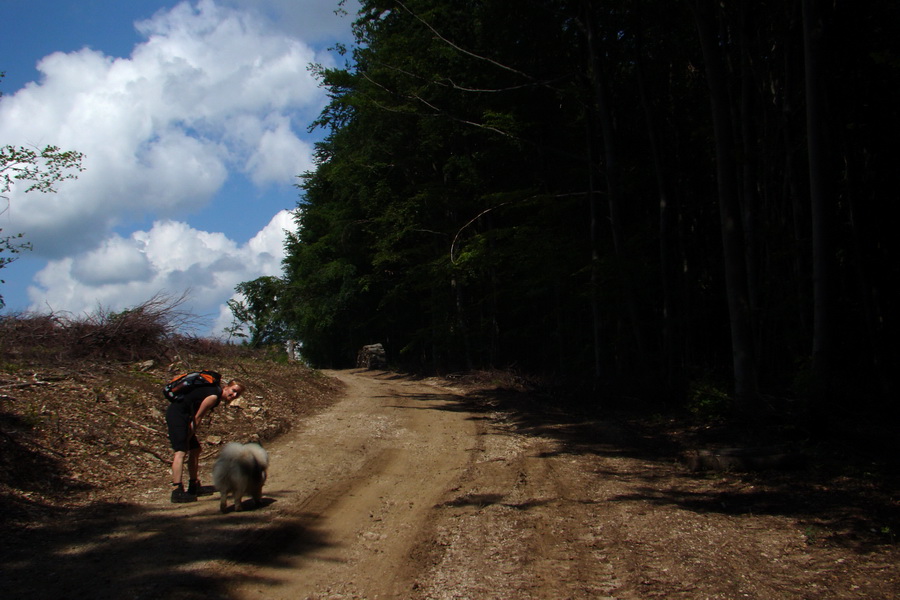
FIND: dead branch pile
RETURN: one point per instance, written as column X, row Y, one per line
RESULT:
column 148, row 330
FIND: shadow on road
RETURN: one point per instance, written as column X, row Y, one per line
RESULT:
column 845, row 496
column 116, row 551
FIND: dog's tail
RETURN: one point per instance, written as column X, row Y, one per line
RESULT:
column 259, row 455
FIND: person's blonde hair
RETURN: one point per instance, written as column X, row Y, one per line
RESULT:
column 241, row 388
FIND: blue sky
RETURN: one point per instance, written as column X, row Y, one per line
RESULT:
column 192, row 117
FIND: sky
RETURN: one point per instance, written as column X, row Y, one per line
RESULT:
column 193, row 120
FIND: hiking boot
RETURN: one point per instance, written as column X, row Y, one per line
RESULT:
column 179, row 496
column 195, row 489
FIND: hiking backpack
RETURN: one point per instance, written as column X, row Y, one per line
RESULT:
column 180, row 385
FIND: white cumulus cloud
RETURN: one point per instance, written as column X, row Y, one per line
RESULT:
column 211, row 90
column 312, row 20
column 279, row 156
column 170, row 257
column 211, row 106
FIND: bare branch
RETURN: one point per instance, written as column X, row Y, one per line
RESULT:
column 453, row 258
column 461, row 49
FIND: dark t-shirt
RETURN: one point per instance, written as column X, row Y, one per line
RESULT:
column 180, row 414
column 190, row 404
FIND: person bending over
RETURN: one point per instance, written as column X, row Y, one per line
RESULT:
column 182, row 419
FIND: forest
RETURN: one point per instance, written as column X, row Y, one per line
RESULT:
column 645, row 199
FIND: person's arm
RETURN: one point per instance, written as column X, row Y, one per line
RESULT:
column 206, row 407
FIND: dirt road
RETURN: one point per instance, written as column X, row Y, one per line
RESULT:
column 363, row 479
column 404, row 489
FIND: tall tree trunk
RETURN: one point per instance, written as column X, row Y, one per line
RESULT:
column 795, row 170
column 595, row 255
column 671, row 365
column 614, row 193
column 743, row 354
column 821, row 203
column 750, row 210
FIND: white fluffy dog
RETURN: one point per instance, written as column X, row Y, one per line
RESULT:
column 240, row 470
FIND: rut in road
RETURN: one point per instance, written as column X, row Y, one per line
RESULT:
column 360, row 480
column 399, row 491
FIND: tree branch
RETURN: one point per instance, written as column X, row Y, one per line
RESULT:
column 461, row 49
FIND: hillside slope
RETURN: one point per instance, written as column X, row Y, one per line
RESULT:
column 91, row 432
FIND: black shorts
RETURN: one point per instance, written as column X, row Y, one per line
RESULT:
column 179, row 423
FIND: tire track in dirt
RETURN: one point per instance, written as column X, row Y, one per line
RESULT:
column 361, row 480
column 517, row 526
column 438, row 497
column 411, row 492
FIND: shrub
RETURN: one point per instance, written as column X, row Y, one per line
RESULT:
column 709, row 401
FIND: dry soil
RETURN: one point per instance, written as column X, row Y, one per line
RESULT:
column 409, row 489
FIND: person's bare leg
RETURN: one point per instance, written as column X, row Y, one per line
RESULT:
column 178, row 493
column 177, row 467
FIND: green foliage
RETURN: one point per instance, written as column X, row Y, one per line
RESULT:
column 709, row 401
column 259, row 311
column 41, row 170
column 462, row 211
column 416, row 138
